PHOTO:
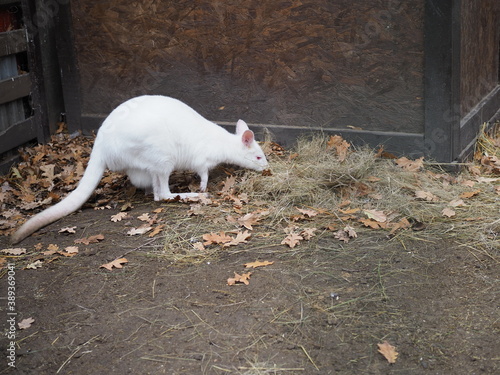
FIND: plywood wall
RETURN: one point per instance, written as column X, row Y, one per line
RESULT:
column 300, row 62
column 480, row 50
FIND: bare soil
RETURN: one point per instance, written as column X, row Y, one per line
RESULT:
column 320, row 308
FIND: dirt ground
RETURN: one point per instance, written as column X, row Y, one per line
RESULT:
column 320, row 308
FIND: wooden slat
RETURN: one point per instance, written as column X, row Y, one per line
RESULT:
column 15, row 88
column 17, row 135
column 13, row 42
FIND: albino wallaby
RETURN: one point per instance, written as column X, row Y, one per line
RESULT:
column 148, row 137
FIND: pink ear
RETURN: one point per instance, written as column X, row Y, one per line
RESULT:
column 247, row 138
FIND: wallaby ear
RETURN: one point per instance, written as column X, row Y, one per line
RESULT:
column 241, row 126
column 247, row 138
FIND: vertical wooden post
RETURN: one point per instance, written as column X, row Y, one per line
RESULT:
column 442, row 79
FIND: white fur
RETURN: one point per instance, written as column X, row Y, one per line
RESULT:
column 148, row 137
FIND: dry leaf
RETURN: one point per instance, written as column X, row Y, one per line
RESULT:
column 71, row 249
column 307, row 213
column 341, row 146
column 248, row 220
column 14, row 251
column 140, row 230
column 410, row 165
column 68, row 230
column 457, row 203
column 26, row 323
column 308, row 233
column 448, row 212
column 402, row 224
column 425, row 195
column 258, row 263
column 216, row 238
column 376, row 215
column 241, row 237
column 371, row 223
column 239, row 279
column 34, row 265
column 292, row 240
column 144, row 217
column 53, row 247
column 346, row 234
column 157, row 230
column 119, row 217
column 117, row 263
column 199, row 246
column 469, row 194
column 91, row 239
column 388, row 351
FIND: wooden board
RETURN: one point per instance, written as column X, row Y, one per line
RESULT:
column 298, row 63
column 480, row 49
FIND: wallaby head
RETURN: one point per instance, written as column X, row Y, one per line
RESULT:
column 251, row 156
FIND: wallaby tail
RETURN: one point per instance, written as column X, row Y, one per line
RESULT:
column 86, row 186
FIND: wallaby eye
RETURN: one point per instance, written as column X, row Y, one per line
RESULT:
column 259, row 157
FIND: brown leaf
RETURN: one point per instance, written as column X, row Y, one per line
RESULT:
column 346, row 234
column 117, row 263
column 292, row 240
column 241, row 237
column 388, row 351
column 216, row 238
column 199, row 246
column 119, row 216
column 370, row 223
column 258, row 263
column 239, row 279
column 410, row 165
column 140, row 230
column 425, row 195
column 308, row 233
column 248, row 220
column 376, row 215
column 341, row 146
column 469, row 194
column 144, row 217
column 308, row 213
column 91, row 239
column 157, row 230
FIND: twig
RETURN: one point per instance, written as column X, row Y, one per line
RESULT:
column 75, row 352
column 308, row 356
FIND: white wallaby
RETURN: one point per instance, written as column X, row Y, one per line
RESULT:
column 148, row 137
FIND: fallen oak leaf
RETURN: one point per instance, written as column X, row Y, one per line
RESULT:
column 241, row 237
column 425, row 195
column 144, row 217
column 67, row 230
column 308, row 233
column 119, row 216
column 71, row 249
column 14, row 251
column 117, row 263
column 292, row 240
column 157, row 230
column 216, row 238
column 258, row 263
column 307, row 213
column 410, row 165
column 469, row 194
column 34, row 265
column 88, row 240
column 388, row 351
column 248, row 220
column 376, row 215
column 140, row 230
column 448, row 212
column 239, row 278
column 370, row 223
column 26, row 323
